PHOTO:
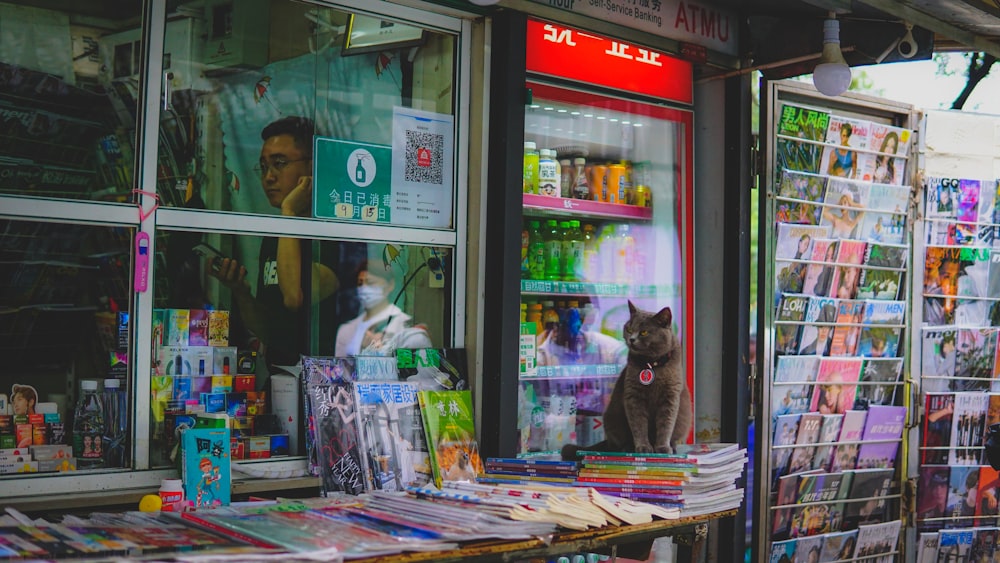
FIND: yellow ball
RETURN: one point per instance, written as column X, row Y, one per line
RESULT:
column 150, row 503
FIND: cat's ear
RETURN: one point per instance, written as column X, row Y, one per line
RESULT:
column 664, row 317
column 631, row 308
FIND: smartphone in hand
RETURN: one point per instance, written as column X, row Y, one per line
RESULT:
column 208, row 251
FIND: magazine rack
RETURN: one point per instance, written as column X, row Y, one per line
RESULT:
column 957, row 278
column 626, row 541
column 830, row 443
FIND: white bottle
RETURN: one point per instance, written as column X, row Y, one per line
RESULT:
column 548, row 174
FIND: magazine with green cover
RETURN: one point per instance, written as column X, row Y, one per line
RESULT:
column 450, row 429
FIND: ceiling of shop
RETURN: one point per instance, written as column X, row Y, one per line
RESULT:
column 785, row 36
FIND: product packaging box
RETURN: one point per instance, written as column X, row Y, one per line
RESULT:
column 218, row 328
column 224, row 358
column 279, row 445
column 122, row 331
column 285, row 402
column 64, row 464
column 205, row 466
column 222, row 383
column 256, row 402
column 201, row 358
column 246, row 361
column 174, row 360
column 214, row 402
column 178, row 323
column 259, row 447
column 159, row 327
column 198, row 327
column 244, row 383
column 182, row 387
column 238, row 448
column 200, row 385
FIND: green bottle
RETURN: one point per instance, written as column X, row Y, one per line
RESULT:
column 564, row 230
column 553, row 251
column 573, row 248
column 536, row 252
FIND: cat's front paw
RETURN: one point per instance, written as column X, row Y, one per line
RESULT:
column 644, row 448
column 664, row 450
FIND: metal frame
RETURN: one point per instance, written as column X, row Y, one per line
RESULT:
column 67, row 211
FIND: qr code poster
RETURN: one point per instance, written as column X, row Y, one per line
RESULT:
column 422, row 168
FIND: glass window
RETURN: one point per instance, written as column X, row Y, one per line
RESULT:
column 64, row 318
column 222, row 314
column 242, row 113
column 68, row 91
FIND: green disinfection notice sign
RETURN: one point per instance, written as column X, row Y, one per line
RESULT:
column 352, row 181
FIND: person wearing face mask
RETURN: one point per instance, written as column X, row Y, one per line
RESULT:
column 381, row 327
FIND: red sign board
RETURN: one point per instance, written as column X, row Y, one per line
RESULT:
column 565, row 52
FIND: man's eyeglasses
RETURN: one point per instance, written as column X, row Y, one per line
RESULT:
column 277, row 165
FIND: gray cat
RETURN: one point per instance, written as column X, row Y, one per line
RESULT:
column 650, row 406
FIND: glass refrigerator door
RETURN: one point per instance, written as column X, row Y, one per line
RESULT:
column 602, row 226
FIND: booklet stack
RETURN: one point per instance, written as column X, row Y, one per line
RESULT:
column 696, row 479
column 517, row 471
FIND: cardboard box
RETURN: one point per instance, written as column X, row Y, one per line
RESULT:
column 65, row 464
column 198, row 327
column 222, row 384
column 218, row 328
column 224, row 358
column 54, row 451
column 244, row 383
column 259, row 447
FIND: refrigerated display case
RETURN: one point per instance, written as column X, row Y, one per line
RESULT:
column 605, row 219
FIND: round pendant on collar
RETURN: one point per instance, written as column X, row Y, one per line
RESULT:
column 646, row 376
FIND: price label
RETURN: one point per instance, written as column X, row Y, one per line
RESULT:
column 369, row 213
column 344, row 211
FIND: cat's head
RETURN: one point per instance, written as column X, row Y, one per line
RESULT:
column 649, row 334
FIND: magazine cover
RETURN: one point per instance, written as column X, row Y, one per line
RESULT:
column 791, row 309
column 839, row 546
column 993, row 278
column 967, row 230
column 450, row 431
column 851, row 429
column 846, row 278
column 880, row 438
column 887, row 164
column 819, row 487
column 804, row 123
column 782, row 551
column 319, row 370
column 819, row 273
column 391, row 435
column 847, row 333
column 984, row 545
column 807, row 548
column 205, row 466
column 815, row 519
column 808, row 434
column 885, row 219
column 808, row 125
column 794, row 242
column 846, row 136
column 808, row 190
column 879, row 284
column 792, row 390
column 879, row 342
column 989, row 213
column 988, row 504
column 828, row 432
column 954, row 545
column 434, row 368
column 932, row 496
column 992, row 417
column 880, row 378
column 941, row 195
column 836, row 385
column 821, row 314
column 875, row 539
column 936, row 434
column 872, row 484
column 885, row 255
column 927, row 547
column 963, row 491
column 844, row 209
column 967, row 426
column 334, row 416
column 937, row 359
column 786, row 428
column 974, row 359
column 892, row 313
column 973, row 277
column 788, row 488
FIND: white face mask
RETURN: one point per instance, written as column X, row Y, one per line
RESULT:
column 370, row 295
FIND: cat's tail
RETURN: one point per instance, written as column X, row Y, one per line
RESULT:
column 571, row 452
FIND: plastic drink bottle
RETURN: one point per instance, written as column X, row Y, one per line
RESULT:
column 581, row 188
column 590, row 263
column 624, row 254
column 553, row 251
column 536, row 252
column 530, row 180
column 525, row 243
column 88, row 427
column 564, row 230
column 548, row 174
column 566, row 177
column 573, row 249
column 115, row 422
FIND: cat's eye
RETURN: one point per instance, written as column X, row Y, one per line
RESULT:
column 643, row 332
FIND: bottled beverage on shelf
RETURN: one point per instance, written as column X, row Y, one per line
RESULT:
column 115, row 405
column 599, row 182
column 607, row 247
column 535, row 316
column 548, row 173
column 525, row 243
column 581, row 186
column 624, row 254
column 616, row 184
column 88, row 427
column 573, row 324
column 590, row 264
column 531, row 157
column 573, row 251
column 524, row 312
column 643, row 196
column 550, row 318
column 564, row 234
column 629, row 185
column 553, row 251
column 566, row 177
column 536, row 252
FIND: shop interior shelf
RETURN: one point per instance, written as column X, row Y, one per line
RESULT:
column 544, row 287
column 568, row 207
column 575, row 371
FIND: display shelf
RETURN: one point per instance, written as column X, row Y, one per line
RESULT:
column 544, row 287
column 569, row 207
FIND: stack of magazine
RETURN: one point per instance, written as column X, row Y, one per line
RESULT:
column 696, row 479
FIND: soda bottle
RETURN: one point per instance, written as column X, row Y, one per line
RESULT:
column 536, row 252
column 581, row 188
column 88, row 427
column 116, row 421
column 624, row 254
column 553, row 251
column 530, row 180
column 566, row 177
column 590, row 263
column 573, row 250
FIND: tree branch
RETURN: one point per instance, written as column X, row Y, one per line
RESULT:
column 980, row 65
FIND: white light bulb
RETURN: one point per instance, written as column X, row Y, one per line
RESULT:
column 832, row 76
column 483, row 2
